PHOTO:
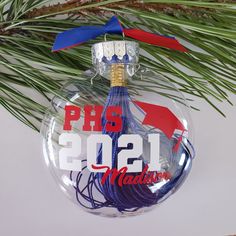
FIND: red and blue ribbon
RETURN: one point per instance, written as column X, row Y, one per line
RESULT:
column 79, row 35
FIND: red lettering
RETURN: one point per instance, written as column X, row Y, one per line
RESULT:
column 114, row 173
column 72, row 113
column 128, row 179
column 145, row 177
column 166, row 175
column 88, row 117
column 94, row 114
column 114, row 122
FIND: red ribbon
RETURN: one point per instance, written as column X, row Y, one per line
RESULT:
column 155, row 39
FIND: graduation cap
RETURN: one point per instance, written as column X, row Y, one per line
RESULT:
column 162, row 118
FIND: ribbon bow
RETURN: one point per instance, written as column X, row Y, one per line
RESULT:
column 76, row 36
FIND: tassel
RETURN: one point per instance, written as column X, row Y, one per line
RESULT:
column 130, row 197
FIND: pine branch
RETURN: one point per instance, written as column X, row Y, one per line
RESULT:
column 28, row 28
column 71, row 7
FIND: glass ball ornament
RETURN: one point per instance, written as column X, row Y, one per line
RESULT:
column 122, row 150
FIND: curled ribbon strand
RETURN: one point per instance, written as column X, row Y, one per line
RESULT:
column 77, row 36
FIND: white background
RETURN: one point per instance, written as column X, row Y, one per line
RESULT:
column 31, row 204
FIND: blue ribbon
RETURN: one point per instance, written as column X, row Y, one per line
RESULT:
column 76, row 36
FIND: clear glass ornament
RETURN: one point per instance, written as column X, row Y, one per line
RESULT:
column 151, row 161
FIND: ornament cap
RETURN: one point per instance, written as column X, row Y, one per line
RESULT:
column 115, row 52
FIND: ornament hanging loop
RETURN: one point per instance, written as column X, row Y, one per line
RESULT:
column 105, row 37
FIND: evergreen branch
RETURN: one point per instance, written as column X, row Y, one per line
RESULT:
column 27, row 30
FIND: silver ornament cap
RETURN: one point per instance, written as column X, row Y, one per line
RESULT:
column 115, row 52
